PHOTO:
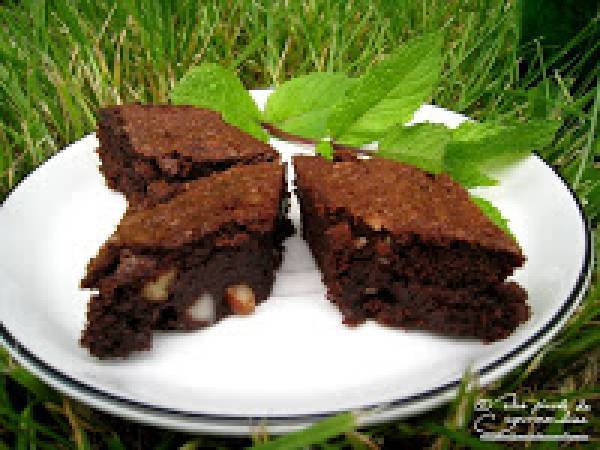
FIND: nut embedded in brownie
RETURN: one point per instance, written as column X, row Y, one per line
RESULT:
column 408, row 249
column 207, row 253
column 149, row 152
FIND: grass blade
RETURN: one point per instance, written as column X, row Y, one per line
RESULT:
column 313, row 435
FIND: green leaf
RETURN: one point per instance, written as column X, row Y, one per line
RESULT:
column 465, row 172
column 215, row 87
column 478, row 149
column 301, row 106
column 497, row 145
column 461, row 169
column 422, row 145
column 475, row 131
column 325, row 149
column 492, row 213
column 389, row 93
column 313, row 435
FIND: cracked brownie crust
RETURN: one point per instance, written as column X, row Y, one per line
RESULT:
column 209, row 252
column 149, row 152
column 408, row 249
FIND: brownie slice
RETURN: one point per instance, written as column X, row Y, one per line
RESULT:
column 148, row 151
column 408, row 249
column 209, row 252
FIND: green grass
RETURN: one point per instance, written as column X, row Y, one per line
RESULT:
column 61, row 60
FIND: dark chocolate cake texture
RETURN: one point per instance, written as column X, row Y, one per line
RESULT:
column 408, row 249
column 149, row 152
column 207, row 253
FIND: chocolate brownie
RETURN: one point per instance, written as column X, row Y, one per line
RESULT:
column 209, row 252
column 408, row 249
column 148, row 151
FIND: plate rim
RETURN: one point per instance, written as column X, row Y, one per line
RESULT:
column 47, row 371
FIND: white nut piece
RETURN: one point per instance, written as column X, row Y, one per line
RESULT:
column 360, row 242
column 158, row 290
column 241, row 299
column 204, row 309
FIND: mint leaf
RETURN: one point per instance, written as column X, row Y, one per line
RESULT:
column 478, row 149
column 215, row 87
column 492, row 213
column 517, row 139
column 475, row 131
column 465, row 172
column 389, row 93
column 470, row 152
column 301, row 106
column 325, row 149
column 422, row 145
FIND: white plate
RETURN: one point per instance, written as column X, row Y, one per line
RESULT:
column 293, row 361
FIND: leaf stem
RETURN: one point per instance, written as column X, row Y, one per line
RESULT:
column 279, row 133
